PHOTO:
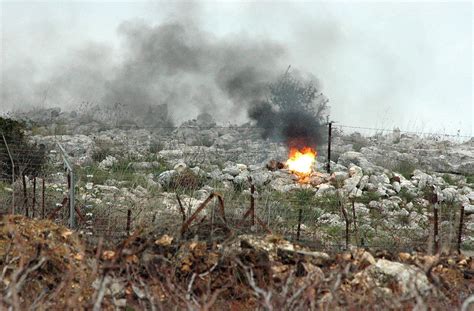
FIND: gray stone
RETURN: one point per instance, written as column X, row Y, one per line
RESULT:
column 120, row 303
column 171, row 154
column 225, row 141
column 108, row 162
column 165, row 177
column 340, row 176
column 283, row 185
column 233, row 170
column 351, row 183
column 391, row 192
column 396, row 186
column 180, row 167
column 325, row 189
column 355, row 171
column 379, row 179
column 449, row 194
column 105, row 188
column 116, row 288
column 410, row 278
column 364, row 181
column 469, row 209
column 261, row 177
column 142, row 165
column 355, row 158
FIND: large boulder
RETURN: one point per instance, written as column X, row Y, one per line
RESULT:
column 410, row 279
column 260, row 177
column 350, row 184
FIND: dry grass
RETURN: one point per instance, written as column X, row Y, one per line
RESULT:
column 47, row 266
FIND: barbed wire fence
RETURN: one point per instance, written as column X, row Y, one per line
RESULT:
column 278, row 215
column 42, row 187
column 286, row 221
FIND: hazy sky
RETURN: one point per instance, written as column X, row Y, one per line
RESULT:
column 381, row 64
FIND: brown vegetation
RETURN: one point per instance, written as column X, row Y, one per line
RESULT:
column 45, row 265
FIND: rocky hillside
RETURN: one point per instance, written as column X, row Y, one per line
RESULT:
column 389, row 183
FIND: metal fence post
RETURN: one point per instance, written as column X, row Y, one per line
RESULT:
column 129, row 221
column 13, row 174
column 328, row 166
column 72, row 212
column 42, row 199
column 34, row 198
column 72, row 200
column 461, row 225
column 435, row 228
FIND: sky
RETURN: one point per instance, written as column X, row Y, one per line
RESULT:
column 380, row 63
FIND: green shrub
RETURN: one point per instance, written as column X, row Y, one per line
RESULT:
column 303, row 196
column 156, row 146
column 368, row 197
column 357, row 146
column 60, row 129
column 405, row 168
column 470, row 179
column 328, row 202
column 449, row 179
column 101, row 150
column 406, row 195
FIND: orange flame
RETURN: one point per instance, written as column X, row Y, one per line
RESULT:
column 301, row 161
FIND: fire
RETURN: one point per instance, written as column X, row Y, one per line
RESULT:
column 301, row 161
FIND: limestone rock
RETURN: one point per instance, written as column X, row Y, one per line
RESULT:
column 410, row 278
column 108, row 162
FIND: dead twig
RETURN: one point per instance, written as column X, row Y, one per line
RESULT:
column 188, row 222
column 104, row 282
column 181, row 208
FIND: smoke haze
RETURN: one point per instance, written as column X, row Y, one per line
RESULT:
column 170, row 63
column 380, row 64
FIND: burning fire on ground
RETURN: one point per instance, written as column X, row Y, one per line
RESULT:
column 301, row 161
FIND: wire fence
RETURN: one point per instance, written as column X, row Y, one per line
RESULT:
column 52, row 194
column 38, row 190
column 308, row 223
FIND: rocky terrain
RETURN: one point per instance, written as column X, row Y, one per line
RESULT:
column 387, row 179
column 364, row 232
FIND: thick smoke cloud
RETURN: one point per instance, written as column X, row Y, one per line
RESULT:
column 182, row 66
column 293, row 113
column 378, row 66
column 174, row 64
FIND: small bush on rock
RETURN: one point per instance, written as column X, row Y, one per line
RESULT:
column 186, row 180
column 368, row 197
column 470, row 179
column 101, row 151
column 405, row 168
column 156, row 146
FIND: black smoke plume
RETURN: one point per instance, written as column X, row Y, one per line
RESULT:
column 176, row 70
column 293, row 113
